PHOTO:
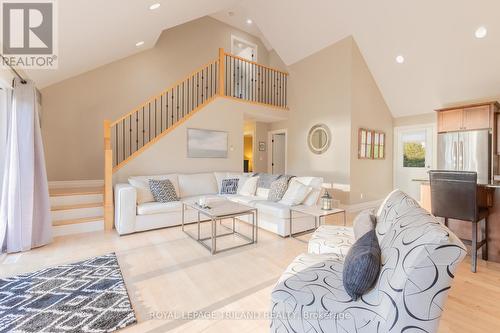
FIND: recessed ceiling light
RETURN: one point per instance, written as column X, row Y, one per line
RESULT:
column 249, row 21
column 481, row 32
column 400, row 59
column 155, row 6
column 141, row 43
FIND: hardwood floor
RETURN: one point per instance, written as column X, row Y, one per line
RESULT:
column 168, row 274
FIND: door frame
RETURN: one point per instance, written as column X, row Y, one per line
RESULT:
column 399, row 129
column 242, row 40
column 271, row 147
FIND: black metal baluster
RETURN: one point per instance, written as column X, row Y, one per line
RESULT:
column 155, row 120
column 137, row 130
column 192, row 93
column 161, row 113
column 116, row 142
column 143, row 130
column 123, row 140
column 166, row 115
column 183, row 103
column 177, row 103
column 172, row 104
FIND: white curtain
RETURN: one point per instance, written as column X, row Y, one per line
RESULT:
column 25, row 220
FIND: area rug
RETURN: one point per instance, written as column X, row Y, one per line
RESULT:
column 87, row 296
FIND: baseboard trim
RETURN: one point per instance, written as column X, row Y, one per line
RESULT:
column 361, row 206
column 76, row 183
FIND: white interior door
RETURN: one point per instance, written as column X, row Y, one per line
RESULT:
column 414, row 156
column 278, row 164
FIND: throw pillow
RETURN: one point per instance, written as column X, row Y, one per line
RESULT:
column 249, row 187
column 229, row 186
column 278, row 189
column 142, row 189
column 163, row 190
column 295, row 194
column 362, row 265
column 364, row 222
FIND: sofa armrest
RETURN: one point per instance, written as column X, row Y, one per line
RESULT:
column 125, row 208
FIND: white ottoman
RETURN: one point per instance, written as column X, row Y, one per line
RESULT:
column 331, row 239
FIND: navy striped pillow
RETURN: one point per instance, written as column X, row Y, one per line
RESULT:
column 229, row 186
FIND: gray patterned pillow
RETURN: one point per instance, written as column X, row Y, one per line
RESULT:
column 229, row 186
column 278, row 189
column 362, row 265
column 163, row 190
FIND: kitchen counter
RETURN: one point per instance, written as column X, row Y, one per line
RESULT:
column 493, row 184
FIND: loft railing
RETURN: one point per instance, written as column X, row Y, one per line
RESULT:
column 229, row 76
column 253, row 82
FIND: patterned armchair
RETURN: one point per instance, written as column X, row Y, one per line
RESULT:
column 419, row 257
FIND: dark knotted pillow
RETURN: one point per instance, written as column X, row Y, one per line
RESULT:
column 362, row 265
column 163, row 190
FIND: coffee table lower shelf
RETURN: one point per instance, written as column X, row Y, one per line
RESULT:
column 212, row 219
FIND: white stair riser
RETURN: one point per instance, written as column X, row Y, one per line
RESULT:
column 76, row 199
column 78, row 228
column 71, row 214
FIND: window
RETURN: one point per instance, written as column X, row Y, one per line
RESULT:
column 414, row 149
column 371, row 144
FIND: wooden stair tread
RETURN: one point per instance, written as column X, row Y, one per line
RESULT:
column 77, row 206
column 76, row 221
column 59, row 192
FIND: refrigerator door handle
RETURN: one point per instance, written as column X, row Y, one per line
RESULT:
column 461, row 155
column 454, row 155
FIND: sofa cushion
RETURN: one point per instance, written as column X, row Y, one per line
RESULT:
column 362, row 265
column 197, row 184
column 159, row 207
column 331, row 239
column 278, row 189
column 141, row 185
column 363, row 223
column 315, row 184
column 295, row 193
column 262, row 192
column 163, row 190
column 248, row 186
column 249, row 200
column 275, row 209
column 266, row 179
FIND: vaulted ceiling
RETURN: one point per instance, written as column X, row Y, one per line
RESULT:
column 444, row 62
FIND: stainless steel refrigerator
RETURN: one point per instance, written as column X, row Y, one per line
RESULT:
column 466, row 151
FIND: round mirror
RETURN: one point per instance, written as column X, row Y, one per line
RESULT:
column 319, row 139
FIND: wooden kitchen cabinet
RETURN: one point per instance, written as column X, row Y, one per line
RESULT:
column 470, row 117
column 476, row 118
column 451, row 120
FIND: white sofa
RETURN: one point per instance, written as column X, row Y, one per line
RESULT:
column 131, row 216
column 419, row 260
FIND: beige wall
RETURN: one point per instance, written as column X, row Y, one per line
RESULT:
column 335, row 87
column 370, row 179
column 319, row 92
column 169, row 154
column 426, row 118
column 74, row 109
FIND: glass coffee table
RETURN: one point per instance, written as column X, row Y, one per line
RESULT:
column 217, row 211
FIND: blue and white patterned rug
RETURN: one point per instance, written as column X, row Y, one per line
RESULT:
column 88, row 296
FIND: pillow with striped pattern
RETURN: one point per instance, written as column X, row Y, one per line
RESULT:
column 229, row 186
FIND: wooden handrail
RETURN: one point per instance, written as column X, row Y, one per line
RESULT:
column 256, row 63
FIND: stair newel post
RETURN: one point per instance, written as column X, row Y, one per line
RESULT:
column 108, row 177
column 221, row 71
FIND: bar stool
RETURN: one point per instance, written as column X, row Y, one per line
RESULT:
column 454, row 196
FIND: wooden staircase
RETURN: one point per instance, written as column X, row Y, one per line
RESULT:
column 75, row 210
column 228, row 76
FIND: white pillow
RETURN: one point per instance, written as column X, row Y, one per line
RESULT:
column 248, row 187
column 143, row 191
column 312, row 197
column 295, row 194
